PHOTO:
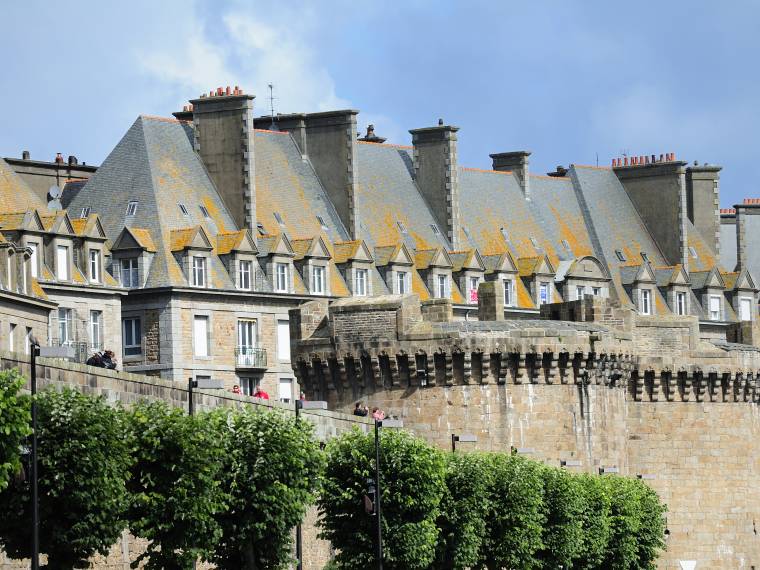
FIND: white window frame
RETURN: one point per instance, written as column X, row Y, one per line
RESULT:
column 681, row 303
column 749, row 301
column 129, row 267
column 281, row 280
column 508, row 293
column 96, row 329
column 442, row 286
column 715, row 313
column 94, row 264
column 132, row 207
column 28, row 341
column 646, row 301
column 248, row 385
column 245, row 269
column 402, row 287
column 596, row 291
column 133, row 325
column 11, row 337
column 282, row 395
column 34, row 258
column 361, row 281
column 544, row 293
column 474, row 282
column 283, row 340
column 318, row 279
column 199, row 270
column 247, row 333
column 65, row 326
column 201, row 336
column 62, row 272
column 580, row 290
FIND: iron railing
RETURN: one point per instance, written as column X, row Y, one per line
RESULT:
column 250, row 357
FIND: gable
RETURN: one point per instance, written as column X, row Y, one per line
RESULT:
column 745, row 281
column 402, row 256
column 544, row 266
column 200, row 240
column 125, row 240
column 440, row 259
column 680, row 277
column 588, row 267
column 714, row 280
column 645, row 273
column 319, row 249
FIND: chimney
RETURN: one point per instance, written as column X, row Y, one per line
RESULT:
column 330, row 139
column 658, row 191
column 516, row 162
column 73, row 160
column 435, row 171
column 703, row 202
column 25, row 155
column 224, row 140
column 747, row 216
column 58, row 158
column 294, row 123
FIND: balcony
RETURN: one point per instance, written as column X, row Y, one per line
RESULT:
column 82, row 349
column 250, row 357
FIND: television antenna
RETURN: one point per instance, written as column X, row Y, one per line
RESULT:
column 273, row 126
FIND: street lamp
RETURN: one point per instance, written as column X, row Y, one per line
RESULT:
column 34, row 348
column 464, row 438
column 387, row 423
column 304, row 405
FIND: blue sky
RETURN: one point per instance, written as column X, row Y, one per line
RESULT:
column 568, row 80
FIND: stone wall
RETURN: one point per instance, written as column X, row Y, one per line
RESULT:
column 127, row 388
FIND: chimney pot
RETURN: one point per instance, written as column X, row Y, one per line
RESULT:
column 646, row 159
column 25, row 155
column 73, row 160
column 227, row 91
column 625, row 161
column 654, row 159
column 58, row 158
column 613, row 162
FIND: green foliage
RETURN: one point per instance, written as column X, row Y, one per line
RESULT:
column 563, row 531
column 175, row 487
column 271, row 469
column 595, row 521
column 516, row 518
column 637, row 525
column 412, row 487
column 464, row 508
column 14, row 424
column 84, row 459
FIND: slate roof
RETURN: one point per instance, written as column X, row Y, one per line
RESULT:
column 15, row 194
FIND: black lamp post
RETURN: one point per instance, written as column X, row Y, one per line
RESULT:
column 191, row 383
column 34, row 348
column 388, row 423
column 304, row 405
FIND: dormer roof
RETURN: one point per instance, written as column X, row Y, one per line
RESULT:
column 313, row 247
column 89, row 227
column 58, row 223
column 275, row 244
column 239, row 241
column 467, row 260
column 739, row 280
column 706, row 279
column 354, row 250
column 671, row 275
column 429, row 258
column 27, row 220
column 500, row 263
column 585, row 267
column 396, row 254
column 536, row 265
column 190, row 238
column 639, row 273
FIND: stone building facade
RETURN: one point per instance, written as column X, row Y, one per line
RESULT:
column 601, row 389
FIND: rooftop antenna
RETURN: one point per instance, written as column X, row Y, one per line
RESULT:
column 273, row 126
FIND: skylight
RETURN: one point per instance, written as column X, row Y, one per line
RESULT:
column 619, row 255
column 435, row 229
column 132, row 208
column 644, row 256
column 85, row 212
column 693, row 252
column 278, row 218
column 505, row 233
column 183, row 209
column 204, row 211
column 260, row 227
column 401, row 226
column 566, row 245
column 322, row 222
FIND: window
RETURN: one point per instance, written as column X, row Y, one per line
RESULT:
column 283, row 340
column 597, row 291
column 534, row 242
column 443, row 286
column 543, row 293
column 402, row 282
column 646, row 302
column 278, row 217
column 34, row 260
column 360, row 287
column 322, row 223
column 96, row 330
column 246, row 334
column 131, row 329
column 285, row 392
column 505, row 235
column 129, row 272
column 508, row 294
column 745, row 309
column 199, row 271
column 244, row 274
column 401, row 226
column 619, row 255
column 474, row 289
column 580, row 290
column 644, row 256
column 714, row 308
column 65, row 327
column 248, row 385
column 318, row 280
column 95, row 265
column 281, row 277
column 200, row 335
column 28, row 341
column 260, row 228
column 680, row 303
column 85, row 212
column 62, row 263
column 435, row 229
column 132, row 208
column 11, row 338
column 183, row 209
column 693, row 252
column 204, row 211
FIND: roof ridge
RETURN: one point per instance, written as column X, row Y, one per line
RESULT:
column 389, row 145
column 591, row 166
column 271, row 132
column 490, row 171
column 164, row 119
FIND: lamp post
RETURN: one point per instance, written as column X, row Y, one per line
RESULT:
column 304, row 405
column 190, row 385
column 465, row 437
column 388, row 423
column 34, row 348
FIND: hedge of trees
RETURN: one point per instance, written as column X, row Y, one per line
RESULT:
column 228, row 487
column 482, row 510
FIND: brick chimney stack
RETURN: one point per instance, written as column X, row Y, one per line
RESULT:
column 516, row 162
column 223, row 122
column 703, row 201
column 435, row 171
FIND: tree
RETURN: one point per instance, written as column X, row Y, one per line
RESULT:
column 84, row 459
column 464, row 507
column 651, row 537
column 175, row 485
column 14, row 424
column 271, row 469
column 516, row 518
column 595, row 521
column 412, row 487
column 563, row 531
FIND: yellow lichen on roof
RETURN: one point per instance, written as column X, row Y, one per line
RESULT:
column 526, row 266
column 144, row 239
column 729, row 278
column 37, row 290
column 705, row 257
column 659, row 303
column 456, row 294
column 79, row 225
column 338, row 286
column 109, row 280
column 15, row 194
column 77, row 276
column 214, row 213
column 227, row 241
column 524, row 300
column 48, row 221
column 419, row 288
column 573, row 230
column 423, row 257
column 12, row 220
column 301, row 247
column 180, row 239
column 345, row 250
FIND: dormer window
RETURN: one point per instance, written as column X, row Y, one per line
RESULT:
column 646, row 302
column 681, row 303
column 474, row 282
column 85, row 212
column 509, row 296
column 281, row 278
column 278, row 218
column 443, row 286
column 129, row 272
column 360, row 282
column 34, row 259
column 204, row 211
column 132, row 208
column 62, row 263
column 244, row 274
column 318, row 280
column 183, row 209
column 94, row 266
column 199, row 271
column 745, row 308
column 619, row 255
column 402, row 282
column 544, row 296
column 715, row 312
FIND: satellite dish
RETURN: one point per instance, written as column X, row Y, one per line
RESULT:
column 54, row 205
column 54, row 192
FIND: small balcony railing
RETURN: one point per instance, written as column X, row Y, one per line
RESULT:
column 250, row 357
